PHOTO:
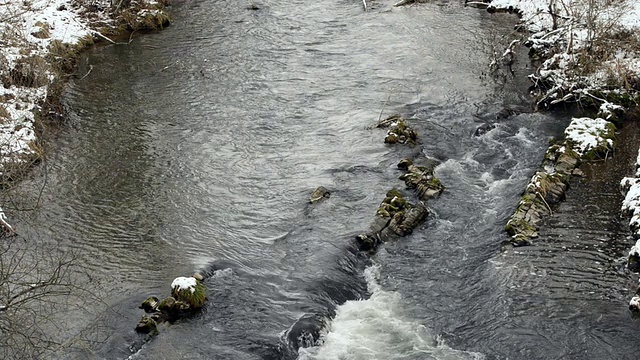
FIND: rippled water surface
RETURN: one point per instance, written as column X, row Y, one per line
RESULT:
column 197, row 148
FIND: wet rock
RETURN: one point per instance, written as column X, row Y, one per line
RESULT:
column 253, row 7
column 421, row 178
column 167, row 305
column 188, row 294
column 634, row 304
column 506, row 113
column 404, row 164
column 150, row 304
column 396, row 217
column 483, row 129
column 366, row 242
column 147, row 325
column 633, row 260
column 546, row 188
column 319, row 194
column 399, row 130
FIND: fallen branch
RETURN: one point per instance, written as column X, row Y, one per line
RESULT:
column 477, row 3
column 404, row 2
column 5, row 224
column 88, row 72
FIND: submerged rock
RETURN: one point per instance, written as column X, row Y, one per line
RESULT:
column 147, row 325
column 319, row 194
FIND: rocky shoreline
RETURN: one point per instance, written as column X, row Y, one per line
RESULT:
column 588, row 53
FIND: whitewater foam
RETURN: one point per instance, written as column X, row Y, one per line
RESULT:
column 375, row 328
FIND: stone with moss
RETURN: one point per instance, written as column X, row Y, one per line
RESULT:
column 190, row 291
column 150, row 305
column 421, row 178
column 147, row 325
column 400, row 133
column 167, row 304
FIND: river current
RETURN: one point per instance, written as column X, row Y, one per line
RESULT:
column 197, row 148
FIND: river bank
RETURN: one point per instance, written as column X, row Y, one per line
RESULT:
column 41, row 41
column 587, row 53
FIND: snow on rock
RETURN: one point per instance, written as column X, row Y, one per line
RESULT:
column 589, row 134
column 634, row 304
column 184, row 283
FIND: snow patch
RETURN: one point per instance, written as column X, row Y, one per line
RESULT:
column 587, row 134
column 184, row 283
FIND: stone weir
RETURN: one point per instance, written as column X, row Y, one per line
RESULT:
column 397, row 216
column 586, row 139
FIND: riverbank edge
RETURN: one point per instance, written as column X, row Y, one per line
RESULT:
column 35, row 74
column 34, row 79
column 556, row 42
column 556, row 84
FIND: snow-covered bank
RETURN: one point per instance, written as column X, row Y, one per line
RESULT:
column 589, row 53
column 590, row 50
column 38, row 40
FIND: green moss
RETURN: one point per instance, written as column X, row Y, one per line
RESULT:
column 519, row 227
column 195, row 298
column 394, row 193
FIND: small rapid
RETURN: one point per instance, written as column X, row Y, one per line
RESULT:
column 374, row 328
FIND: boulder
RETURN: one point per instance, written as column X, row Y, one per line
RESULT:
column 147, row 325
column 319, row 194
column 190, row 291
column 150, row 304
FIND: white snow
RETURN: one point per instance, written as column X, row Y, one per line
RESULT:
column 563, row 42
column 184, row 283
column 587, row 133
column 634, row 304
column 20, row 22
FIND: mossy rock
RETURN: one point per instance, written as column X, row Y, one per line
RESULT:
column 147, row 325
column 405, row 163
column 167, row 304
column 150, row 305
column 319, row 194
column 366, row 243
column 189, row 290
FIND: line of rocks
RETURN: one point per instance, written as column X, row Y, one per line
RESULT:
column 188, row 295
column 586, row 139
column 396, row 216
column 630, row 186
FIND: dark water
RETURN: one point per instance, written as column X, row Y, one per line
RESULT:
column 197, row 148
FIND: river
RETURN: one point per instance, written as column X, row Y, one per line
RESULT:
column 197, row 148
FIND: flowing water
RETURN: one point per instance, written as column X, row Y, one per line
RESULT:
column 197, row 148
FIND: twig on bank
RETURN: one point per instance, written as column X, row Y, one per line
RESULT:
column 545, row 202
column 102, row 36
column 383, row 106
column 5, row 224
column 131, row 37
column 404, row 2
column 88, row 72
